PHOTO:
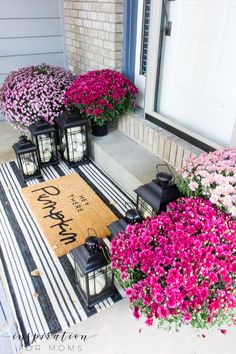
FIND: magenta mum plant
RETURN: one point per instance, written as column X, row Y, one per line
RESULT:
column 180, row 267
column 33, row 92
column 101, row 95
column 213, row 176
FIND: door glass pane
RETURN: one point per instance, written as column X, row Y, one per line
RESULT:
column 144, row 40
column 196, row 86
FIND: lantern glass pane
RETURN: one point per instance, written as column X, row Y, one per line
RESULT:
column 81, row 279
column 62, row 141
column 29, row 163
column 75, row 142
column 144, row 208
column 47, row 147
column 97, row 281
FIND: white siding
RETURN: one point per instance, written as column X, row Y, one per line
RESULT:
column 29, row 9
column 31, row 33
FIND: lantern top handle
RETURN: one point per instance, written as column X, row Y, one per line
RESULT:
column 164, row 177
column 94, row 233
column 23, row 139
column 92, row 239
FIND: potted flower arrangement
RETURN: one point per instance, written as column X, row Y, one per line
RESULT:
column 179, row 267
column 34, row 92
column 100, row 96
column 213, row 176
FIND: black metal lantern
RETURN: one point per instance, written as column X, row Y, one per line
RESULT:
column 73, row 135
column 132, row 216
column 27, row 158
column 154, row 196
column 93, row 276
column 117, row 226
column 44, row 136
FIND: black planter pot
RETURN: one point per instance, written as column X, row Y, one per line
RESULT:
column 99, row 130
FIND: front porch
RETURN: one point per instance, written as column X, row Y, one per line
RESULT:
column 113, row 329
column 182, row 60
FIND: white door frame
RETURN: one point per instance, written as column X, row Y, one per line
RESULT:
column 151, row 75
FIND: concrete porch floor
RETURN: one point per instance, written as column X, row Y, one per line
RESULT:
column 114, row 330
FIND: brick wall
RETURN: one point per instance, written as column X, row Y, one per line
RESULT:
column 160, row 142
column 94, row 34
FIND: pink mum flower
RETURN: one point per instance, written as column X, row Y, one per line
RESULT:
column 213, row 176
column 180, row 265
column 193, row 186
column 34, row 92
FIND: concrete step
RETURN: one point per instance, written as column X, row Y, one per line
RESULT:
column 128, row 163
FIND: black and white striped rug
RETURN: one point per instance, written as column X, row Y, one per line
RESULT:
column 23, row 248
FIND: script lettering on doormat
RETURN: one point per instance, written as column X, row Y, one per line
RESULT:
column 50, row 206
column 65, row 209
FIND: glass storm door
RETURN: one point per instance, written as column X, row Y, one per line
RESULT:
column 196, row 84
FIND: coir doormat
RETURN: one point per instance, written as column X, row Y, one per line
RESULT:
column 66, row 210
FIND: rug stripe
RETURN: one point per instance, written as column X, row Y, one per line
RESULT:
column 58, row 170
column 27, row 319
column 58, row 290
column 107, row 187
column 21, row 324
column 29, row 228
column 19, row 270
column 121, row 196
column 53, row 171
column 108, row 178
column 109, row 191
column 110, row 197
column 58, row 274
column 39, row 288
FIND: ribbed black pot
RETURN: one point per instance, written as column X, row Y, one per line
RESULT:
column 99, row 130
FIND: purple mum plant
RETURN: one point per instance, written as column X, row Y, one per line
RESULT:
column 34, row 92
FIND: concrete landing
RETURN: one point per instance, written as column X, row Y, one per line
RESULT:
column 128, row 163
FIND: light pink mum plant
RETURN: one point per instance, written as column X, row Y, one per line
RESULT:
column 33, row 92
column 213, row 176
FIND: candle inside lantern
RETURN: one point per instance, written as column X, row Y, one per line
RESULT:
column 75, row 152
column 45, row 148
column 97, row 283
column 45, row 154
column 75, row 146
column 75, row 135
column 29, row 167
